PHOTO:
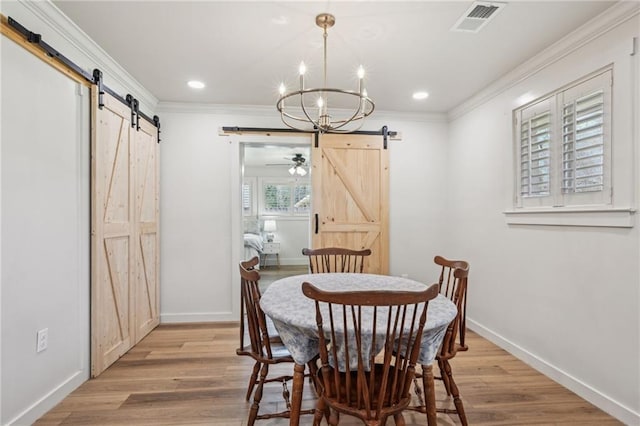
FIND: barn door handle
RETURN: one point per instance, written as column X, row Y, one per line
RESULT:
column 316, row 223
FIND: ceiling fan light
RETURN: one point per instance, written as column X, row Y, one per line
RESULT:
column 301, row 171
column 292, row 170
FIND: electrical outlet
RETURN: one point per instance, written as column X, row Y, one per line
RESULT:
column 43, row 340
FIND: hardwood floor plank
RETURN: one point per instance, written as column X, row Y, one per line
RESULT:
column 188, row 374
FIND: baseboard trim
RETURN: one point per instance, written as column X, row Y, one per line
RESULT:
column 575, row 385
column 197, row 317
column 50, row 400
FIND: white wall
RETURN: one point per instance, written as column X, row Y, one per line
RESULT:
column 45, row 235
column 197, row 238
column 565, row 299
column 44, row 216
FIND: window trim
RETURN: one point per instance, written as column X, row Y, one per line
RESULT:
column 564, row 211
column 597, row 217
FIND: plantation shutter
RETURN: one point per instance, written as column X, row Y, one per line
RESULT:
column 535, row 125
column 585, row 141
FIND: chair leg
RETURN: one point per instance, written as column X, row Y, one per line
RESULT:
column 456, row 394
column 429, row 394
column 399, row 419
column 257, row 396
column 252, row 380
column 445, row 377
column 320, row 411
column 334, row 418
column 313, row 374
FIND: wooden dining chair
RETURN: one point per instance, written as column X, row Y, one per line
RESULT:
column 353, row 326
column 335, row 259
column 452, row 283
column 264, row 348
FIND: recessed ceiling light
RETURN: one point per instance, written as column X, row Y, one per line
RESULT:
column 420, row 95
column 194, row 84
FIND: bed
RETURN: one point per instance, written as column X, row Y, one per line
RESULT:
column 252, row 246
column 252, row 239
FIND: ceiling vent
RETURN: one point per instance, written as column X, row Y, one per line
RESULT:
column 477, row 16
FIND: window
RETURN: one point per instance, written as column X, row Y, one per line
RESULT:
column 564, row 146
column 285, row 197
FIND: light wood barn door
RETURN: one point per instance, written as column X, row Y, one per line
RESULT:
column 350, row 184
column 112, row 233
column 147, row 295
column 125, row 294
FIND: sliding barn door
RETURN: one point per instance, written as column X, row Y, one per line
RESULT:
column 146, row 166
column 124, row 235
column 350, row 184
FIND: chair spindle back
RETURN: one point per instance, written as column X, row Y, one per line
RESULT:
column 335, row 259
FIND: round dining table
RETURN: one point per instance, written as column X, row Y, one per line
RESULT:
column 293, row 315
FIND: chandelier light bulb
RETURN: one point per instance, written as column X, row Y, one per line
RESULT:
column 302, row 69
column 360, row 72
column 320, row 102
column 282, row 89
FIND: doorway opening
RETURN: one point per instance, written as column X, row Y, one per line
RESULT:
column 275, row 205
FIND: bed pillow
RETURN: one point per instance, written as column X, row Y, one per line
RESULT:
column 251, row 226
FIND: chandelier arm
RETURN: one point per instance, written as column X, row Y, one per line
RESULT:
column 304, row 110
column 365, row 107
column 361, row 102
column 360, row 114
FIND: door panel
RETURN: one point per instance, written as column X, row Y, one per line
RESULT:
column 350, row 179
column 125, row 254
column 112, row 232
column 147, row 297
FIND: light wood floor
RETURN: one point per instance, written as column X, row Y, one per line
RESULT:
column 189, row 375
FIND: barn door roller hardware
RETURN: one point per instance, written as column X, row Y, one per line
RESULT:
column 95, row 77
column 384, row 132
column 135, row 112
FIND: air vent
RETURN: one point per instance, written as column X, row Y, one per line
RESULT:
column 477, row 16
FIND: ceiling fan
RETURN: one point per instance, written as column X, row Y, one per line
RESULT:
column 298, row 165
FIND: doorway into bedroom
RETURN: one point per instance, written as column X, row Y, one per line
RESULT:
column 276, row 203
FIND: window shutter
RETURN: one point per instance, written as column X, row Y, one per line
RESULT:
column 564, row 146
column 246, row 198
column 583, row 144
column 535, row 155
column 301, row 198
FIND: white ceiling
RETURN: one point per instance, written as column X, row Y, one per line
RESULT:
column 242, row 50
column 279, row 156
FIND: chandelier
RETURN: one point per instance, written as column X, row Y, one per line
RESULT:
column 308, row 109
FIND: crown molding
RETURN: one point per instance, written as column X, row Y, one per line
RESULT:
column 601, row 24
column 55, row 19
column 217, row 109
column 270, row 111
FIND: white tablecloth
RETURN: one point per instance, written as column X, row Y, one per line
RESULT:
column 293, row 314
